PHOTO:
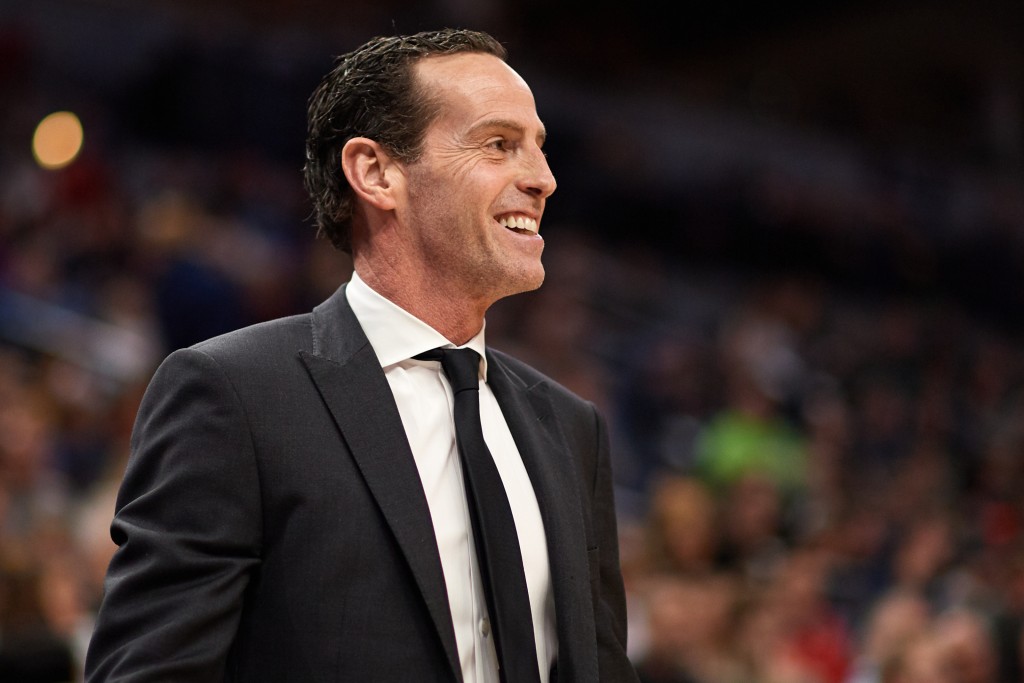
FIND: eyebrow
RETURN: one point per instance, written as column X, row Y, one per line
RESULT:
column 510, row 125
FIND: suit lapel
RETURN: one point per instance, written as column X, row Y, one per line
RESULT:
column 550, row 465
column 349, row 377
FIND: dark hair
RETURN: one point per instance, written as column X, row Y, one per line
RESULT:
column 371, row 92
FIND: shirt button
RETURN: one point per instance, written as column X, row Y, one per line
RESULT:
column 485, row 627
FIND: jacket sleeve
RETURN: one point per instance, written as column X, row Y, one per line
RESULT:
column 188, row 528
column 610, row 600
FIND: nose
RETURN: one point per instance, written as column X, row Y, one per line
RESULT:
column 537, row 178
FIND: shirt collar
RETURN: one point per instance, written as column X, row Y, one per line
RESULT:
column 395, row 334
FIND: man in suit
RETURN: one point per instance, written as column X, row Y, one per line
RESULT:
column 294, row 507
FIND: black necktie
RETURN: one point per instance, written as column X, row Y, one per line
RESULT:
column 494, row 529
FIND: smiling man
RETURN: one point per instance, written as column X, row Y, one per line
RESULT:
column 368, row 492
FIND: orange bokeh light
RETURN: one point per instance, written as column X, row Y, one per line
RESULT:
column 57, row 140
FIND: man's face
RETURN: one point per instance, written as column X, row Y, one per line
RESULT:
column 474, row 199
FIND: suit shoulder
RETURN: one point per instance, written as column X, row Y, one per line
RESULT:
column 261, row 340
column 531, row 376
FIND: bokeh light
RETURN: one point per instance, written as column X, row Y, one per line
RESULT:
column 57, row 140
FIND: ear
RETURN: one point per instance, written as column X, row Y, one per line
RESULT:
column 370, row 171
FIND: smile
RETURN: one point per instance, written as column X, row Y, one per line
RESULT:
column 521, row 224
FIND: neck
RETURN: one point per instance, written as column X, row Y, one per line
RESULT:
column 451, row 313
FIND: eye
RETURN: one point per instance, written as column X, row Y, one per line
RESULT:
column 500, row 145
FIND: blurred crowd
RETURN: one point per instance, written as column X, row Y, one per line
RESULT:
column 834, row 496
column 817, row 483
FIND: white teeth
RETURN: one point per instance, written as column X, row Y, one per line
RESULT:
column 519, row 223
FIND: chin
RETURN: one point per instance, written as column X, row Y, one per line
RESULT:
column 530, row 280
column 520, row 285
column 512, row 278
column 537, row 282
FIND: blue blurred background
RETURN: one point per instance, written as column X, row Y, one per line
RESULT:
column 785, row 258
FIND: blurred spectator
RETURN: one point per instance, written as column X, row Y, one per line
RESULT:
column 896, row 620
column 33, row 649
column 922, row 660
column 816, row 637
column 968, row 643
column 925, row 558
column 683, row 533
column 691, row 622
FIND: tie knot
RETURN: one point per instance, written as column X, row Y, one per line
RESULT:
column 461, row 367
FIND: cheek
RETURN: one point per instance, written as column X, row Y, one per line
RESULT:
column 457, row 199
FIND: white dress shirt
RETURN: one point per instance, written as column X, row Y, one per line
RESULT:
column 425, row 403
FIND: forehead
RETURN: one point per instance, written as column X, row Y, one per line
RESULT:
column 474, row 86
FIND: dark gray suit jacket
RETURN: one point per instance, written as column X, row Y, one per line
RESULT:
column 272, row 525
